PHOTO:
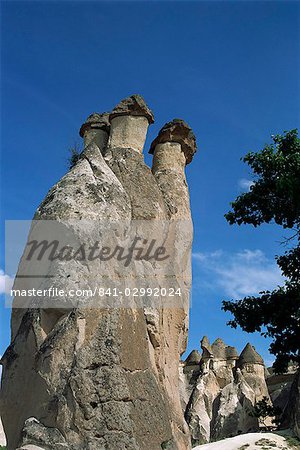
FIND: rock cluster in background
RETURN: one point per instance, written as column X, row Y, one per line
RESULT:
column 219, row 388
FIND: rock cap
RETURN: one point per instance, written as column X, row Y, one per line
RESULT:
column 231, row 352
column 219, row 342
column 206, row 348
column 219, row 349
column 193, row 358
column 249, row 356
column 134, row 105
column 177, row 131
column 222, row 351
column 95, row 120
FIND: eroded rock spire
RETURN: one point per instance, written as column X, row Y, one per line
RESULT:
column 177, row 131
column 235, row 383
column 96, row 127
column 129, row 123
column 104, row 374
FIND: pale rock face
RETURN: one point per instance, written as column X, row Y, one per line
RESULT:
column 129, row 123
column 232, row 413
column 200, row 409
column 2, row 435
column 102, row 378
column 134, row 106
column 128, row 132
column 185, row 389
column 167, row 329
column 221, row 363
column 223, row 372
column 48, row 438
column 30, row 447
column 96, row 129
column 99, row 137
column 188, row 373
column 169, row 156
column 252, row 368
column 222, row 391
column 254, row 375
column 168, row 169
column 177, row 131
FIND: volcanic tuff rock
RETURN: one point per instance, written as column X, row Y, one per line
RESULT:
column 95, row 120
column 291, row 413
column 219, row 389
column 279, row 386
column 82, row 376
column 177, row 131
column 284, row 392
column 2, row 435
column 134, row 106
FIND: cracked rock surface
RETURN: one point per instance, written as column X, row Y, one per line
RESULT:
column 219, row 389
column 78, row 376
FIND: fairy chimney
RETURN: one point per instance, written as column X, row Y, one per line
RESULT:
column 105, row 374
column 252, row 368
column 129, row 123
column 95, row 129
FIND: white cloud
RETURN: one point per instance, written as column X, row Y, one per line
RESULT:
column 239, row 274
column 269, row 362
column 245, row 184
column 207, row 256
column 6, row 283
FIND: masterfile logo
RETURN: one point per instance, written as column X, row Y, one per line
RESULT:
column 88, row 263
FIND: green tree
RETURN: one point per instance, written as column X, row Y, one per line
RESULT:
column 274, row 197
column 263, row 410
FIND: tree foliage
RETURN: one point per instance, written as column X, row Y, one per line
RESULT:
column 274, row 197
column 263, row 410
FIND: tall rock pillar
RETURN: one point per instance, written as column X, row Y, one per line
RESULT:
column 102, row 373
column 172, row 150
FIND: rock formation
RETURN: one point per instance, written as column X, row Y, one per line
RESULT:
column 284, row 391
column 104, row 374
column 219, row 390
column 2, row 435
column 291, row 412
column 252, row 368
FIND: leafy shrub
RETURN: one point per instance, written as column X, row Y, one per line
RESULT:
column 75, row 153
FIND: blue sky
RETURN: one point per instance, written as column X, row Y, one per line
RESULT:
column 230, row 69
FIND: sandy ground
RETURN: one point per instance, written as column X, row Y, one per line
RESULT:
column 255, row 441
